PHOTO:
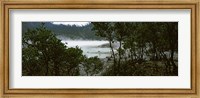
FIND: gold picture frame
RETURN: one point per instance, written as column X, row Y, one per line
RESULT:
column 101, row 4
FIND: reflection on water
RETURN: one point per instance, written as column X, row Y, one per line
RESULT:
column 91, row 48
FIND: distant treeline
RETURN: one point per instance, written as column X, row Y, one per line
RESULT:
column 72, row 32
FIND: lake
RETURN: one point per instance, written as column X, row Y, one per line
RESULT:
column 91, row 48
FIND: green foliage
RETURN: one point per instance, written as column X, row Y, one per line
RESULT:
column 73, row 57
column 65, row 31
column 143, row 49
column 140, row 43
column 44, row 54
column 106, row 31
column 92, row 65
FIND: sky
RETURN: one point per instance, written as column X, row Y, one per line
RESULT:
column 72, row 23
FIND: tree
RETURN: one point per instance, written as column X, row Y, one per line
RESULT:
column 92, row 65
column 39, row 40
column 73, row 57
column 44, row 54
column 120, row 29
column 170, row 35
column 105, row 30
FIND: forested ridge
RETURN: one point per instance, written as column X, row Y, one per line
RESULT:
column 69, row 32
column 145, row 49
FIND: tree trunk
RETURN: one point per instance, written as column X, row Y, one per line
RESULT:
column 46, row 63
column 56, row 68
column 172, row 61
column 119, row 60
column 132, row 54
column 114, row 59
column 47, row 68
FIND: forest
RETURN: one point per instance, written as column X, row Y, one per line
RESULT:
column 72, row 32
column 136, row 48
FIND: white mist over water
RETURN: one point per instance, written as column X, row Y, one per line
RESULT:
column 91, row 48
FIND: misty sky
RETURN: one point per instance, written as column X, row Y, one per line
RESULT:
column 72, row 23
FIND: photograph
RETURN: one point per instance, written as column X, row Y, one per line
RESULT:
column 99, row 48
column 85, row 48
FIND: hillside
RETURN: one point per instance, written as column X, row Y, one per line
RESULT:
column 65, row 31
